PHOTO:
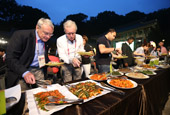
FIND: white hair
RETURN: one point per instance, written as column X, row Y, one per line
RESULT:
column 69, row 23
column 42, row 21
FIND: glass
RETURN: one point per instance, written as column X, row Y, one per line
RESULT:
column 47, row 34
column 71, row 33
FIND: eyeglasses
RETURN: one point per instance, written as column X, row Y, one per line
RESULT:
column 71, row 33
column 47, row 34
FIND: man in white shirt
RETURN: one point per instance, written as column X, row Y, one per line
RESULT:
column 67, row 46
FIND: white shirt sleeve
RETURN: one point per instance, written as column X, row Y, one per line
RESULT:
column 61, row 47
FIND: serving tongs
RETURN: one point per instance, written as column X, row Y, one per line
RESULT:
column 53, row 99
column 43, row 83
column 107, row 87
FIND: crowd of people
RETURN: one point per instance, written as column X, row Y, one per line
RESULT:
column 27, row 54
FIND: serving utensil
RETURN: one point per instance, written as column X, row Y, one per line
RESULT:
column 112, row 88
column 45, row 82
column 54, row 99
column 11, row 99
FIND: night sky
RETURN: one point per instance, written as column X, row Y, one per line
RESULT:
column 59, row 9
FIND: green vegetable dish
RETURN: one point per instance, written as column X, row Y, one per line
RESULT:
column 147, row 72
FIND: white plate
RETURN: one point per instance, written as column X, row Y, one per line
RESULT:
column 134, row 84
column 54, row 64
column 93, row 97
column 124, row 71
column 150, row 74
column 95, row 80
column 85, row 53
column 118, row 75
column 146, row 76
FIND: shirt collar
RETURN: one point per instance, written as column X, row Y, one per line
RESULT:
column 70, row 40
column 37, row 37
column 127, row 43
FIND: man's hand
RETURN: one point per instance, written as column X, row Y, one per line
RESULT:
column 29, row 78
column 119, row 51
column 76, row 62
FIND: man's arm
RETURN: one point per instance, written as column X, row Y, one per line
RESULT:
column 104, row 50
column 14, row 52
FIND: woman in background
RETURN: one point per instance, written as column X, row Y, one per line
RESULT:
column 86, row 63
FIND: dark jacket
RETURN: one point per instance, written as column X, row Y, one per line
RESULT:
column 126, row 50
column 20, row 54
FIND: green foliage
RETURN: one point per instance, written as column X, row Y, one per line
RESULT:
column 14, row 16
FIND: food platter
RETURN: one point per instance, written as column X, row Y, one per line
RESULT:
column 150, row 56
column 121, row 57
column 85, row 53
column 164, row 54
column 32, row 103
column 137, row 75
column 139, row 57
column 122, row 83
column 125, row 70
column 103, row 92
column 98, row 77
column 147, row 66
column 147, row 72
column 116, row 73
column 54, row 63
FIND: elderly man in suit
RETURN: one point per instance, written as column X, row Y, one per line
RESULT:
column 27, row 53
column 126, row 50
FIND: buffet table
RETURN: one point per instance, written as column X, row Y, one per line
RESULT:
column 148, row 98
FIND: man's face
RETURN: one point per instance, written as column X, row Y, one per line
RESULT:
column 45, row 32
column 1, row 53
column 112, row 36
column 146, row 48
column 161, row 43
column 70, row 33
column 130, row 41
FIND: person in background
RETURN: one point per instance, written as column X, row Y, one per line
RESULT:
column 140, row 52
column 68, row 46
column 156, row 51
column 27, row 53
column 104, row 51
column 163, row 49
column 126, row 50
column 2, row 57
column 86, row 63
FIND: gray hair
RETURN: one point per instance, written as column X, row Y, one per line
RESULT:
column 42, row 21
column 69, row 23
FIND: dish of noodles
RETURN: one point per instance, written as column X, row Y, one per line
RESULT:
column 98, row 77
column 122, row 83
column 137, row 75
